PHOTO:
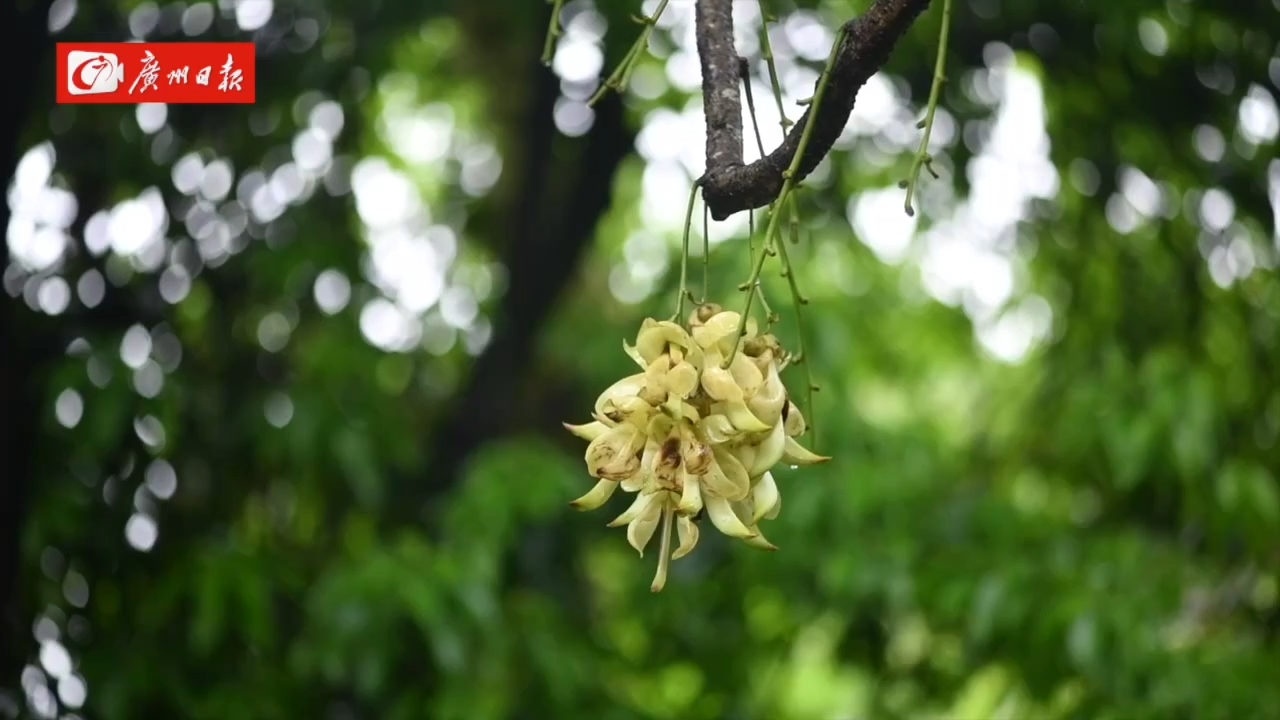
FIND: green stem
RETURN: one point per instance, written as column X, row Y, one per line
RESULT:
column 799, row 301
column 706, row 253
column 684, row 256
column 619, row 78
column 553, row 32
column 788, row 183
column 767, row 51
column 922, row 159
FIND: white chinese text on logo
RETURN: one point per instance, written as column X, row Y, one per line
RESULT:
column 232, row 77
column 148, row 76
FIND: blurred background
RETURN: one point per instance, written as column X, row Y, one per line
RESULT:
column 282, row 385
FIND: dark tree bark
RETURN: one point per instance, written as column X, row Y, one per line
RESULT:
column 729, row 186
column 25, row 33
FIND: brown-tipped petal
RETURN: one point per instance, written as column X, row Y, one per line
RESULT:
column 633, row 410
column 794, row 420
column 596, row 496
column 687, row 530
column 725, row 519
column 691, row 497
column 638, row 507
column 695, row 454
column 612, row 455
column 797, row 454
column 764, row 497
column 637, row 480
column 626, row 463
column 590, row 431
column 769, row 452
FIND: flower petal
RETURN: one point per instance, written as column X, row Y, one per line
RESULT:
column 794, row 420
column 725, row 519
column 613, row 455
column 640, row 531
column 687, row 531
column 758, row 540
column 769, row 451
column 775, row 510
column 695, row 454
column 596, row 496
column 727, row 477
column 768, row 401
column 682, row 379
column 641, row 505
column 746, row 375
column 764, row 497
column 746, row 454
column 624, row 388
column 742, row 417
column 717, row 429
column 589, row 431
column 797, row 454
column 691, row 497
column 632, row 353
column 720, row 385
column 653, row 339
column 718, row 331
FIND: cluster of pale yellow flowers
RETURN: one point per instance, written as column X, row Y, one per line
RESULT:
column 696, row 433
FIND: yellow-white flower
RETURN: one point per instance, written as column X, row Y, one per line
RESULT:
column 696, row 432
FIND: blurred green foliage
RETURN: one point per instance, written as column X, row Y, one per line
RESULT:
column 1088, row 532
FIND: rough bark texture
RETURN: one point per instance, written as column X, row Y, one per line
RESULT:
column 729, row 186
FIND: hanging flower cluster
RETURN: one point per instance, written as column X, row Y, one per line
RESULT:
column 695, row 433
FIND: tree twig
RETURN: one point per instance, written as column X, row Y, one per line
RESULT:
column 729, row 185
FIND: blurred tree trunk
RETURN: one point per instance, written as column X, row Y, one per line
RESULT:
column 545, row 241
column 25, row 32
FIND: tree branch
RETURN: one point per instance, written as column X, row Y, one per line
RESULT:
column 729, row 186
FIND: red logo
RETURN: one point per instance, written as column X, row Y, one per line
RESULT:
column 178, row 73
